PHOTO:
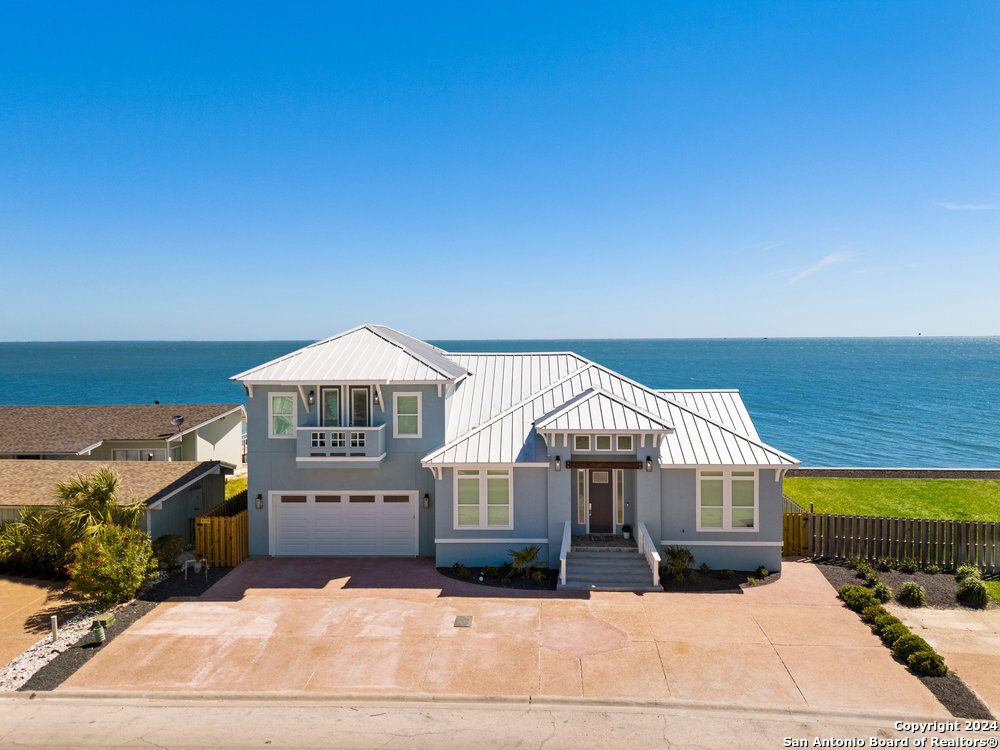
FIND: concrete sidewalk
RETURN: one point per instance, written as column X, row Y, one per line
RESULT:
column 119, row 721
column 387, row 626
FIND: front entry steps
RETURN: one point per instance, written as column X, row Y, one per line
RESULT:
column 607, row 570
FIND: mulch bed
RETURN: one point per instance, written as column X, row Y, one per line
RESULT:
column 950, row 690
column 516, row 582
column 941, row 587
column 711, row 583
column 57, row 671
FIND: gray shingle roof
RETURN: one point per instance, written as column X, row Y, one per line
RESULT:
column 71, row 429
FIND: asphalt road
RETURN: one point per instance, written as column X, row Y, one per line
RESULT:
column 129, row 721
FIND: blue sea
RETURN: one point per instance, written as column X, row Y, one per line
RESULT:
column 920, row 401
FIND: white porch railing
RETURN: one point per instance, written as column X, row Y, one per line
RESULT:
column 563, row 552
column 647, row 548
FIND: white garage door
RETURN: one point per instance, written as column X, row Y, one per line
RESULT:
column 341, row 523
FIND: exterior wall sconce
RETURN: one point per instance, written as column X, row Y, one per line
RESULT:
column 649, row 463
column 311, row 398
column 258, row 502
column 427, row 500
column 558, row 464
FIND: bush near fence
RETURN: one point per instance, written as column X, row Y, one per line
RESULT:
column 220, row 534
column 946, row 544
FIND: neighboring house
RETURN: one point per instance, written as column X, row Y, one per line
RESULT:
column 124, row 432
column 375, row 443
column 174, row 491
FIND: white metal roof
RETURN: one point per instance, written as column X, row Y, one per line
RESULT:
column 598, row 410
column 697, row 440
column 725, row 406
column 365, row 354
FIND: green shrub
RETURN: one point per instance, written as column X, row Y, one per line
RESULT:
column 872, row 579
column 751, row 581
column 972, row 591
column 884, row 564
column 678, row 559
column 908, row 566
column 538, row 575
column 111, row 565
column 491, row 571
column 912, row 594
column 868, row 614
column 525, row 561
column 910, row 644
column 762, row 571
column 883, row 621
column 460, row 570
column 882, row 592
column 927, row 663
column 168, row 549
column 932, row 569
column 704, row 569
column 725, row 574
column 857, row 597
column 967, row 571
column 892, row 633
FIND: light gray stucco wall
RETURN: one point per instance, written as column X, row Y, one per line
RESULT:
column 221, row 440
column 271, row 465
column 175, row 514
column 740, row 550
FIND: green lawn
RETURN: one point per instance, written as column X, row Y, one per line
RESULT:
column 993, row 586
column 235, row 486
column 958, row 499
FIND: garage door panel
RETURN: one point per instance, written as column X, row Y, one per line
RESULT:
column 369, row 527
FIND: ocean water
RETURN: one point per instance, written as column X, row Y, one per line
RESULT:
column 921, row 401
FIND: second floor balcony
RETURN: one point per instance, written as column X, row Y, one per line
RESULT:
column 343, row 447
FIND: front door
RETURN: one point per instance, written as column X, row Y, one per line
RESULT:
column 601, row 502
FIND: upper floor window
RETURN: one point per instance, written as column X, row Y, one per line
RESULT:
column 281, row 415
column 360, row 405
column 727, row 501
column 331, row 406
column 406, row 408
column 623, row 442
column 581, row 442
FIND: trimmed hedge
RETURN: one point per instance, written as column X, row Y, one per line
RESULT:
column 966, row 571
column 892, row 633
column 857, row 597
column 881, row 622
column 972, row 591
column 912, row 594
column 927, row 663
column 910, row 644
column 868, row 614
column 882, row 592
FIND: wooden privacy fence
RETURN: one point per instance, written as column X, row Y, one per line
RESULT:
column 220, row 534
column 946, row 544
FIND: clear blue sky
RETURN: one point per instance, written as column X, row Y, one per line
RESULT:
column 470, row 170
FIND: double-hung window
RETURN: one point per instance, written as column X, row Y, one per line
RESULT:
column 281, row 415
column 727, row 501
column 483, row 499
column 406, row 407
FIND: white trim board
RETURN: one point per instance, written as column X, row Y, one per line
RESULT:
column 692, row 543
column 491, row 541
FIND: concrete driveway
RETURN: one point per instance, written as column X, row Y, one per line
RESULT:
column 26, row 604
column 349, row 626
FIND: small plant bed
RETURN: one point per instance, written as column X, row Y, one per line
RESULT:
column 941, row 588
column 57, row 671
column 680, row 572
column 497, row 576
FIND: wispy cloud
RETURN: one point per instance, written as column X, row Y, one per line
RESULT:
column 967, row 206
column 828, row 261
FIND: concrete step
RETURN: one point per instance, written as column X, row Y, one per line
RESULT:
column 621, row 586
column 607, row 570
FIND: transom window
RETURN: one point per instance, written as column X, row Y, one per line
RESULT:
column 281, row 422
column 483, row 499
column 727, row 501
column 406, row 407
column 602, row 443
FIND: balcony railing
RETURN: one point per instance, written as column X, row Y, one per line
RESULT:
column 340, row 443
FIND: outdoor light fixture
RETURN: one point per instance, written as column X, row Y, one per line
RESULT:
column 649, row 463
column 258, row 502
column 427, row 500
column 558, row 464
column 311, row 398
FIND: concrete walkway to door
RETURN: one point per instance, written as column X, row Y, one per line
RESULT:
column 354, row 626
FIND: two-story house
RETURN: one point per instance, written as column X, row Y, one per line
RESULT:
column 376, row 443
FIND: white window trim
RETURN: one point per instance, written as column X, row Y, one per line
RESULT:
column 589, row 442
column 727, row 502
column 631, row 443
column 270, row 414
column 395, row 416
column 483, row 502
column 611, row 443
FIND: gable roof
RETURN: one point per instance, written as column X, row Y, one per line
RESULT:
column 366, row 354
column 597, row 409
column 28, row 482
column 511, row 437
column 723, row 405
column 77, row 428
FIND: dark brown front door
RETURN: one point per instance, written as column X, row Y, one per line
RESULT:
column 601, row 502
